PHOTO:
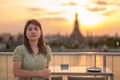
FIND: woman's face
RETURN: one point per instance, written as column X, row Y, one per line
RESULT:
column 33, row 32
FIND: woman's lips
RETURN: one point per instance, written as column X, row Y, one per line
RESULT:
column 33, row 35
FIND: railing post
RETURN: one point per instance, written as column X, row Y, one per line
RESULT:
column 94, row 60
column 112, row 64
column 86, row 61
column 7, row 67
column 104, row 63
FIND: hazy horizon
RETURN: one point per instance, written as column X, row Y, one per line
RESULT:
column 97, row 16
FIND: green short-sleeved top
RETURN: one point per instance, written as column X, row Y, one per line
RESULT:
column 30, row 62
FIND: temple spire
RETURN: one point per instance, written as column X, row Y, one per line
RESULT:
column 76, row 34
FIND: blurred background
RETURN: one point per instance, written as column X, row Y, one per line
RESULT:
column 68, row 25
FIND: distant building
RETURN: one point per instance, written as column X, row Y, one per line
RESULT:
column 2, row 46
column 73, row 41
column 76, row 35
column 6, row 37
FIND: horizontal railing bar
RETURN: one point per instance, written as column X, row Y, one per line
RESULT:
column 75, row 53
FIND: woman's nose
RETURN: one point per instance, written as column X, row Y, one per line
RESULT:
column 33, row 31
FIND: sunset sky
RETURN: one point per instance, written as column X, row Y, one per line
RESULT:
column 101, row 17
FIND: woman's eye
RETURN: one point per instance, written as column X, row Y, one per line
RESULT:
column 36, row 28
column 29, row 29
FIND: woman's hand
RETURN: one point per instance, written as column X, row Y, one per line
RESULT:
column 45, row 73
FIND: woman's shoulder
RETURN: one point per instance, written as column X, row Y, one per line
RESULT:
column 20, row 47
column 48, row 47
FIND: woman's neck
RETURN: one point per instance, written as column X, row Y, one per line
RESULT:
column 33, row 43
column 34, row 47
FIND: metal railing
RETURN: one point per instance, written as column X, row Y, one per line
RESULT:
column 96, row 59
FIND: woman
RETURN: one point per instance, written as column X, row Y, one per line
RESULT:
column 31, row 60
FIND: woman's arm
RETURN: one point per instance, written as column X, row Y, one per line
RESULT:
column 47, row 66
column 18, row 72
column 49, row 56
